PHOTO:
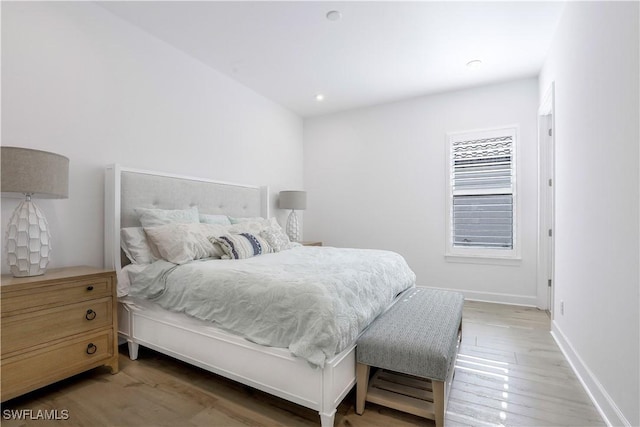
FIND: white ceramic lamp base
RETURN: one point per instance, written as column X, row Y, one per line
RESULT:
column 293, row 230
column 28, row 241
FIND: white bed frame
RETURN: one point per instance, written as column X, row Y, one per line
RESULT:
column 273, row 370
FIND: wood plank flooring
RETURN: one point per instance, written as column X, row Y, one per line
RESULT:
column 509, row 373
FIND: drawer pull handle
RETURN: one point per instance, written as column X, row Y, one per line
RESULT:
column 91, row 348
column 89, row 288
column 90, row 315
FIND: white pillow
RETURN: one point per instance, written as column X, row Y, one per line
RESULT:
column 214, row 219
column 251, row 225
column 241, row 246
column 180, row 243
column 275, row 236
column 238, row 220
column 137, row 247
column 154, row 217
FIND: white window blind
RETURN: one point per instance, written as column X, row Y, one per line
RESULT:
column 482, row 185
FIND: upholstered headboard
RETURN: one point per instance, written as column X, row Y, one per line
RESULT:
column 127, row 189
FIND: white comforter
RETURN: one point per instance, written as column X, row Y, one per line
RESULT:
column 312, row 300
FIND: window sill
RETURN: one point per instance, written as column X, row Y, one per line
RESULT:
column 483, row 259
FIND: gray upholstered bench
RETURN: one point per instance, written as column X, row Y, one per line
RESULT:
column 415, row 343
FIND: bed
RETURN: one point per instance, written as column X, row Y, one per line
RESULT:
column 313, row 381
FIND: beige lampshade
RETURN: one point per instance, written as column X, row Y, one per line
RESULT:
column 39, row 173
column 293, row 200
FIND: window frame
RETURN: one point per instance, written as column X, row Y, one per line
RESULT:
column 475, row 254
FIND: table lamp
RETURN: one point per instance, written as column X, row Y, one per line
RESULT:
column 31, row 174
column 294, row 200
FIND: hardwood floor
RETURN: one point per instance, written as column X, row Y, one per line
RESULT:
column 509, row 372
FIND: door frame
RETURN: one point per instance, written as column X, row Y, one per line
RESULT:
column 546, row 201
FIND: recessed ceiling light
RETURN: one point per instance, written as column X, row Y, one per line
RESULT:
column 319, row 97
column 334, row 15
column 475, row 64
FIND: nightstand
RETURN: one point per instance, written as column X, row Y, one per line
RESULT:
column 55, row 326
column 311, row 243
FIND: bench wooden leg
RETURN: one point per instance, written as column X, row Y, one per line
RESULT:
column 362, row 378
column 438, row 401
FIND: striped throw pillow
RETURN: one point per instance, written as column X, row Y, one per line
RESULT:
column 241, row 246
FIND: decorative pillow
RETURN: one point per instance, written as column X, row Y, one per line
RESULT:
column 154, row 217
column 214, row 219
column 253, row 227
column 180, row 243
column 275, row 236
column 241, row 246
column 137, row 247
column 238, row 220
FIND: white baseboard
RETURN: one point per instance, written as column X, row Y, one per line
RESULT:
column 601, row 399
column 529, row 301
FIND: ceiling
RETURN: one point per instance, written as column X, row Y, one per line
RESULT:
column 377, row 52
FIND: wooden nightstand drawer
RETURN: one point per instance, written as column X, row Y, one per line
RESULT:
column 31, row 329
column 28, row 371
column 63, row 293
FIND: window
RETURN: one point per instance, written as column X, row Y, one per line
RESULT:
column 482, row 193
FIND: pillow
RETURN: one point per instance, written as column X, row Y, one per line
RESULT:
column 275, row 236
column 268, row 229
column 180, row 243
column 214, row 219
column 237, row 220
column 155, row 217
column 251, row 225
column 137, row 247
column 241, row 246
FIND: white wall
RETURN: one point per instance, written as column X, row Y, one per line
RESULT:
column 78, row 81
column 594, row 64
column 376, row 179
